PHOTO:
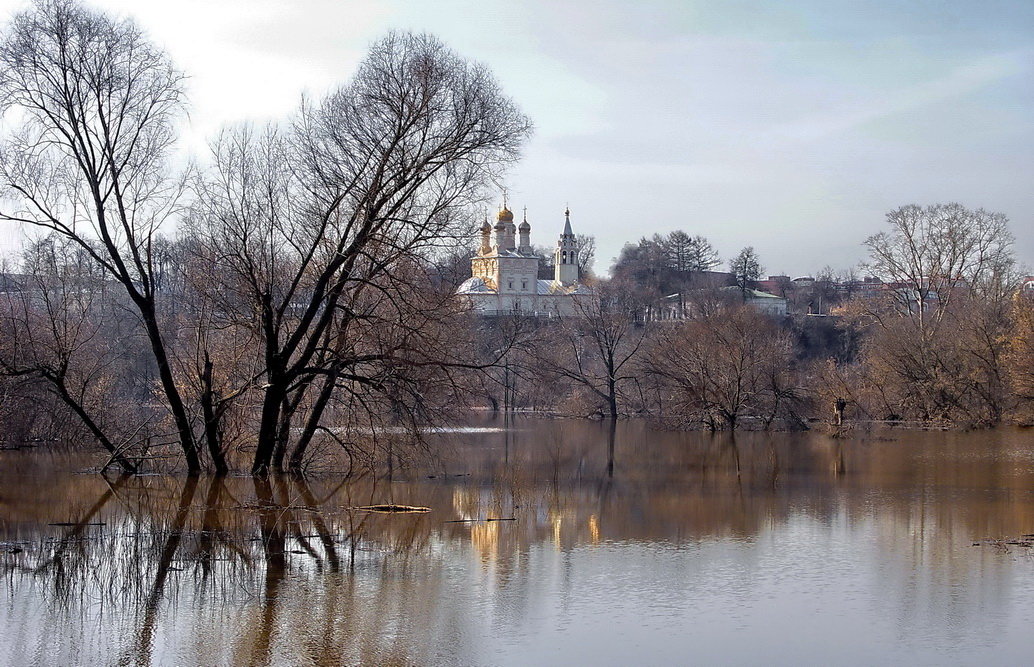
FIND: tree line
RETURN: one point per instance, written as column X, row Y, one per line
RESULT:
column 949, row 341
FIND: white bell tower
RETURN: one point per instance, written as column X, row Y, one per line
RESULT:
column 566, row 258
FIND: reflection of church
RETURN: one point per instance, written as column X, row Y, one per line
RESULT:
column 505, row 272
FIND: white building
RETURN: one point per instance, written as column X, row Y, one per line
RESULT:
column 504, row 274
column 769, row 304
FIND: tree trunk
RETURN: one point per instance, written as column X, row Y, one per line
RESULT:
column 79, row 410
column 283, row 434
column 212, row 438
column 612, row 394
column 179, row 411
column 311, row 424
column 269, row 429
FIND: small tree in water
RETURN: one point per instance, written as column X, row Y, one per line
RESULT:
column 597, row 347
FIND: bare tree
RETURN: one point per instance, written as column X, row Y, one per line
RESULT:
column 597, row 347
column 722, row 367
column 452, row 263
column 933, row 253
column 586, row 254
column 316, row 226
column 703, row 257
column 679, row 247
column 97, row 103
column 57, row 330
column 1021, row 349
column 956, row 378
column 688, row 254
column 937, row 344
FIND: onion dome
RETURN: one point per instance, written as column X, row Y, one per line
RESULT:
column 486, row 227
column 505, row 215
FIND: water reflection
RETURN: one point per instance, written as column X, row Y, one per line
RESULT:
column 550, row 541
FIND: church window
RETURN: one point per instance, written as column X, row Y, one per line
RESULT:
column 511, row 284
column 524, row 284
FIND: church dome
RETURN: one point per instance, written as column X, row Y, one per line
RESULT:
column 486, row 227
column 525, row 227
column 505, row 215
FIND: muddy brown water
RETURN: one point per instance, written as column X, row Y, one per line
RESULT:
column 637, row 547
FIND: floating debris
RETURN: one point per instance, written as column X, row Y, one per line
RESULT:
column 510, row 518
column 393, row 509
column 1025, row 541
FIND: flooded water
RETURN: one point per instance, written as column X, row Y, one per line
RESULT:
column 633, row 547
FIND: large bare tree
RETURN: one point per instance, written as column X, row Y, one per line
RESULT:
column 936, row 252
column 317, row 230
column 95, row 103
column 302, row 271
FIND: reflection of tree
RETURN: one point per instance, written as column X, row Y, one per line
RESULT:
column 323, row 533
column 72, row 537
column 612, row 431
column 165, row 559
column 270, row 512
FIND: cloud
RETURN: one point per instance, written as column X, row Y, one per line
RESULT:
column 959, row 82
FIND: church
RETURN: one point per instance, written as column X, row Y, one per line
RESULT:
column 504, row 273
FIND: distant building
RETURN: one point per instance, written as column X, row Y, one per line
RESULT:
column 775, row 285
column 868, row 287
column 504, row 274
column 692, row 304
column 769, row 304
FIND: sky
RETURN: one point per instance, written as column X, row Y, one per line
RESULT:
column 792, row 126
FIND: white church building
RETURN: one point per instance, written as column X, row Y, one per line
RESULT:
column 504, row 274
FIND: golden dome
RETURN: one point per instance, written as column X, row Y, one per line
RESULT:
column 505, row 215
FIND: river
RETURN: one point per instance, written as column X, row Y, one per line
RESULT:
column 630, row 546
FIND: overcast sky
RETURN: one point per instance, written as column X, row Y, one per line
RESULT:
column 789, row 125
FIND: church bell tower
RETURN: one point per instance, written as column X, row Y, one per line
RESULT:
column 565, row 261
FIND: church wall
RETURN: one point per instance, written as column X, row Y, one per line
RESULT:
column 517, row 275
